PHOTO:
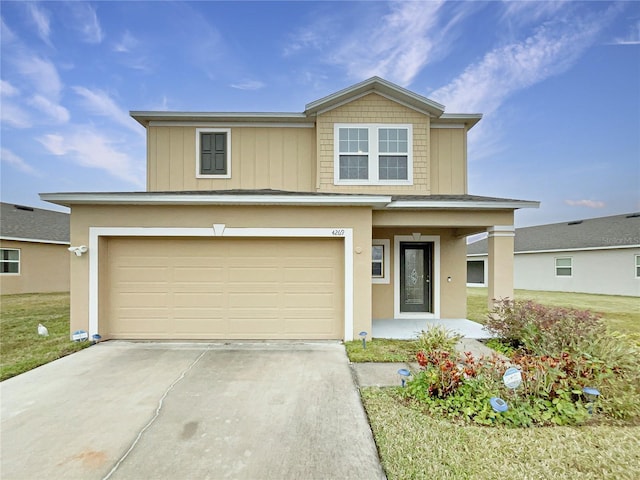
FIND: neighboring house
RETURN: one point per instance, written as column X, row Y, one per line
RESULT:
column 596, row 255
column 33, row 250
column 288, row 225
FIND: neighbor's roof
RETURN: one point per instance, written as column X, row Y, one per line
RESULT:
column 282, row 197
column 18, row 222
column 602, row 232
column 306, row 118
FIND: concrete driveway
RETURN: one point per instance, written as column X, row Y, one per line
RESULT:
column 124, row 410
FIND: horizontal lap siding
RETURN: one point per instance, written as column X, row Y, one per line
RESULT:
column 208, row 288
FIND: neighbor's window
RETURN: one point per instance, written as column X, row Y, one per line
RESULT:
column 564, row 267
column 380, row 261
column 213, row 152
column 637, row 266
column 373, row 154
column 9, row 260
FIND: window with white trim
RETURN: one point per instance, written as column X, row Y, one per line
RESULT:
column 10, row 261
column 213, row 152
column 637, row 266
column 368, row 154
column 564, row 266
column 380, row 258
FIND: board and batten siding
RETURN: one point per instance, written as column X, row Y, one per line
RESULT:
column 279, row 158
column 448, row 161
column 373, row 109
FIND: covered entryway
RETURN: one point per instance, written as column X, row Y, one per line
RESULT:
column 223, row 288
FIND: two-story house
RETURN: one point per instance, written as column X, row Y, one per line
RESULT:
column 288, row 225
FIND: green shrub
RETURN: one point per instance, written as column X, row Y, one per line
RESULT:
column 439, row 338
column 543, row 330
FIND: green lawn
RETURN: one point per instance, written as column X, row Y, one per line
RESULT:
column 413, row 445
column 21, row 348
column 621, row 313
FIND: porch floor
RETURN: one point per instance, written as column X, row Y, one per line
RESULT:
column 408, row 328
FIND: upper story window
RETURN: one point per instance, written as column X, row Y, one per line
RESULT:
column 10, row 261
column 370, row 154
column 213, row 153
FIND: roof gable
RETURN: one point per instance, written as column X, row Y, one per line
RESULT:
column 381, row 87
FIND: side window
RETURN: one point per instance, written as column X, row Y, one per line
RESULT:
column 213, row 152
column 564, row 266
column 10, row 261
column 380, row 258
column 637, row 266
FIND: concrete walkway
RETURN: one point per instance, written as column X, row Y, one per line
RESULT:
column 123, row 410
column 386, row 374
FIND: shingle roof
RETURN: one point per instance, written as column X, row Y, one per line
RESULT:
column 18, row 221
column 614, row 231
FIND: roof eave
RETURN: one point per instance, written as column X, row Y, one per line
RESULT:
column 457, row 205
column 69, row 199
column 145, row 117
column 467, row 119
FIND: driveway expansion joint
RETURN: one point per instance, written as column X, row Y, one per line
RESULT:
column 155, row 416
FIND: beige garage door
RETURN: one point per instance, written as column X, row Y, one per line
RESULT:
column 216, row 288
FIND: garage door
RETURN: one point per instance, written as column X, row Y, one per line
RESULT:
column 217, row 288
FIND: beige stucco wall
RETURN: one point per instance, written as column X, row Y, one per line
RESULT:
column 453, row 295
column 44, row 267
column 448, row 161
column 268, row 157
column 357, row 218
column 373, row 108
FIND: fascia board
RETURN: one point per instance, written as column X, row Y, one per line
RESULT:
column 33, row 240
column 405, row 204
column 145, row 117
column 136, row 199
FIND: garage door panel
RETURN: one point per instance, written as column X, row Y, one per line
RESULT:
column 217, row 288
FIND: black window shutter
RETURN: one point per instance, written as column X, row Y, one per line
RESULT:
column 213, row 153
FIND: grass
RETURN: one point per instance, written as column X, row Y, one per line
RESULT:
column 382, row 350
column 413, row 445
column 619, row 312
column 21, row 348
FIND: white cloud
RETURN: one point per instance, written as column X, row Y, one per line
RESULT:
column 397, row 48
column 42, row 74
column 10, row 158
column 14, row 115
column 632, row 38
column 88, row 148
column 53, row 110
column 41, row 19
column 127, row 43
column 99, row 102
column 8, row 90
column 86, row 22
column 585, row 203
column 484, row 86
column 248, row 85
column 7, row 34
column 396, row 44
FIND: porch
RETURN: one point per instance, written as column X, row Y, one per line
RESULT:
column 408, row 328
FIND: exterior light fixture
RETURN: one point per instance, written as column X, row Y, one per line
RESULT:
column 592, row 395
column 404, row 375
column 363, row 335
column 498, row 404
column 78, row 250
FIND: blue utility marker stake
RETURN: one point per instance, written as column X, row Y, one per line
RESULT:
column 498, row 404
column 592, row 395
column 363, row 334
column 404, row 374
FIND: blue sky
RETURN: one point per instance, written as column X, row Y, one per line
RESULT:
column 558, row 84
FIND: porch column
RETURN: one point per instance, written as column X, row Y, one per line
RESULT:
column 500, row 262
